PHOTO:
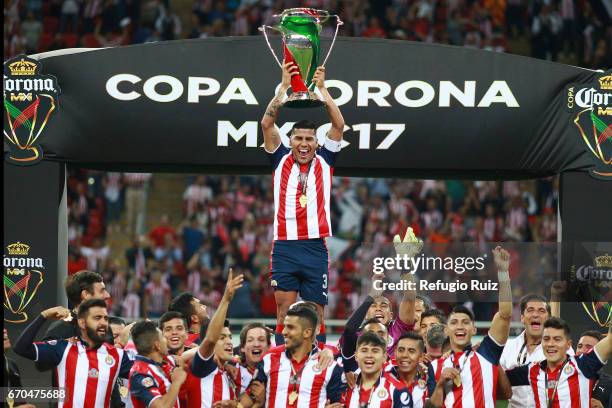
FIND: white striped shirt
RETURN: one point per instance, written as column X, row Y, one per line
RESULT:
column 291, row 220
column 314, row 387
column 573, row 380
column 478, row 375
column 87, row 374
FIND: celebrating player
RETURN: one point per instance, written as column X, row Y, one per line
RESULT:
column 208, row 383
column 409, row 371
column 156, row 377
column 374, row 388
column 302, row 191
column 469, row 377
column 292, row 377
column 562, row 380
column 87, row 367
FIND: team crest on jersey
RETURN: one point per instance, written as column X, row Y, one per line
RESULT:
column 382, row 393
column 569, row 370
column 93, row 373
column 147, row 382
column 110, row 360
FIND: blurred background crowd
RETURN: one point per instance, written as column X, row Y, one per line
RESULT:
column 148, row 255
column 573, row 31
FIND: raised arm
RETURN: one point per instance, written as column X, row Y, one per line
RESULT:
column 604, row 347
column 216, row 323
column 500, row 326
column 335, row 117
column 409, row 246
column 271, row 136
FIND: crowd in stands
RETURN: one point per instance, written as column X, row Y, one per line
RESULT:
column 227, row 221
column 571, row 29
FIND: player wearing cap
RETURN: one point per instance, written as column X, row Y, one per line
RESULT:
column 469, row 377
column 86, row 367
column 374, row 388
column 562, row 380
column 302, row 181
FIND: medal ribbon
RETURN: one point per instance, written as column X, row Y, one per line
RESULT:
column 549, row 403
column 295, row 379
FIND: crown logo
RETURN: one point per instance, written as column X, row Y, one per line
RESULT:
column 18, row 249
column 605, row 82
column 22, row 67
column 603, row 261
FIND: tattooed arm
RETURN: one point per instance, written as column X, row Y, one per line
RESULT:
column 271, row 135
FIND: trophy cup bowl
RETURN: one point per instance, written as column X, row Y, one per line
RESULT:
column 300, row 29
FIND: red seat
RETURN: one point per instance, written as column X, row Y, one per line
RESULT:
column 50, row 24
column 70, row 40
column 90, row 41
column 45, row 40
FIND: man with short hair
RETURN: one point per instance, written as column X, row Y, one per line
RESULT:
column 208, row 383
column 174, row 328
column 562, row 380
column 526, row 347
column 468, row 376
column 193, row 311
column 116, row 325
column 87, row 367
column 292, row 377
column 408, row 369
column 156, row 377
column 374, row 388
column 302, row 193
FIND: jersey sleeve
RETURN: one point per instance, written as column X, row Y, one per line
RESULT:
column 50, row 351
column 201, row 367
column 590, row 363
column 260, row 374
column 402, row 398
column 490, row 350
column 276, row 156
column 144, row 389
column 126, row 365
column 519, row 375
column 431, row 380
column 329, row 151
column 335, row 386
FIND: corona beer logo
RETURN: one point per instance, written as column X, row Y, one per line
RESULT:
column 593, row 106
column 598, row 278
column 21, row 281
column 29, row 100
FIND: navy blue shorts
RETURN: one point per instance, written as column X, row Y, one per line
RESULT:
column 301, row 266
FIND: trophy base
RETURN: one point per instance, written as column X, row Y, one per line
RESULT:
column 303, row 100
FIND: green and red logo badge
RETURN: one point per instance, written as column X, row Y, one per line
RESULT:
column 29, row 100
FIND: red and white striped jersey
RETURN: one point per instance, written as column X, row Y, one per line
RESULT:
column 421, row 389
column 573, row 380
column 207, row 384
column 315, row 386
column 87, row 374
column 387, row 393
column 478, row 376
column 150, row 380
column 292, row 221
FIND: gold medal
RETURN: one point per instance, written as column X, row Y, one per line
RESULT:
column 292, row 397
column 303, row 200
